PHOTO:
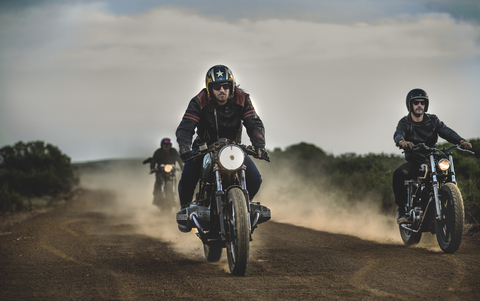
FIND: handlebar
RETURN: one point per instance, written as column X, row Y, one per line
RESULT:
column 249, row 150
column 419, row 146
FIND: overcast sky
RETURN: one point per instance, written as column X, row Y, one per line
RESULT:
column 110, row 79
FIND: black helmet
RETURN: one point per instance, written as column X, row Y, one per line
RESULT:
column 219, row 74
column 416, row 94
column 166, row 141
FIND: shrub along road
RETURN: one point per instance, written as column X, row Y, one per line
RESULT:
column 80, row 251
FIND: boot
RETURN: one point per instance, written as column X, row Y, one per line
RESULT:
column 402, row 218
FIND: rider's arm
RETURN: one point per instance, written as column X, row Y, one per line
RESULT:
column 190, row 121
column 254, row 125
column 445, row 132
column 400, row 132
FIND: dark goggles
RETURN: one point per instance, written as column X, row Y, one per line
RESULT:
column 217, row 86
column 417, row 102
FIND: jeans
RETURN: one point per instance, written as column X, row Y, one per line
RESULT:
column 406, row 171
column 192, row 171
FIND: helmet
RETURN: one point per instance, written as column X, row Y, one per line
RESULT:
column 166, row 141
column 219, row 74
column 416, row 94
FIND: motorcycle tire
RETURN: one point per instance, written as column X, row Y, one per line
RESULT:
column 450, row 228
column 213, row 252
column 238, row 231
column 410, row 238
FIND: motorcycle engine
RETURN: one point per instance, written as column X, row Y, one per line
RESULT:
column 415, row 216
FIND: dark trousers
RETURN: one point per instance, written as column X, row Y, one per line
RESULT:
column 406, row 171
column 191, row 175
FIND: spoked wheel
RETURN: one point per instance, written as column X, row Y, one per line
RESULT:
column 213, row 252
column 410, row 238
column 450, row 228
column 238, row 232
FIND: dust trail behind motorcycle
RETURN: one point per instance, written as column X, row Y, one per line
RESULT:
column 131, row 187
column 290, row 201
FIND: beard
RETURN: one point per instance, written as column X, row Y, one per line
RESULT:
column 418, row 113
column 223, row 98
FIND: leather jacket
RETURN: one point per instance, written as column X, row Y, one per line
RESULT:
column 426, row 132
column 205, row 115
column 161, row 157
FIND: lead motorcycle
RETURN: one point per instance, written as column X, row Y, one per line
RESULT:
column 222, row 211
column 434, row 202
column 164, row 191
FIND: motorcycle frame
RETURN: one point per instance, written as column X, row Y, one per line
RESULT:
column 223, row 180
column 434, row 157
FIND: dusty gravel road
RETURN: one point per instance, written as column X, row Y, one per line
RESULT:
column 99, row 247
column 77, row 252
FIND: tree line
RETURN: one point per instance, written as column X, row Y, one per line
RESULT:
column 360, row 177
column 36, row 169
column 33, row 170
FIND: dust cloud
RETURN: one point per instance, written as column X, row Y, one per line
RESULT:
column 290, row 201
column 131, row 189
column 320, row 207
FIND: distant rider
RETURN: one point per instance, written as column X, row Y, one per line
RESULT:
column 417, row 127
column 166, row 154
column 224, row 106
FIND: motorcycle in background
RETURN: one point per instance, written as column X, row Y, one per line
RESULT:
column 222, row 211
column 434, row 202
column 164, row 191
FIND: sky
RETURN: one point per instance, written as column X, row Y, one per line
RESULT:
column 110, row 79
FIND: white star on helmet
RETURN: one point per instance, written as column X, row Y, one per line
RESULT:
column 219, row 73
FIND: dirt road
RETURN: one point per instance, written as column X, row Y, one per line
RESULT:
column 80, row 251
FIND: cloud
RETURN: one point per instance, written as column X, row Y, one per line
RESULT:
column 107, row 85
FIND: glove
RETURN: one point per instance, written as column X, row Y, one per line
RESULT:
column 465, row 145
column 262, row 154
column 186, row 155
column 405, row 145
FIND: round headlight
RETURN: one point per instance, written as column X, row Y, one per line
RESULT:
column 168, row 168
column 444, row 164
column 231, row 157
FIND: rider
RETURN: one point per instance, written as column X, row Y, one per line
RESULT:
column 218, row 111
column 166, row 154
column 417, row 127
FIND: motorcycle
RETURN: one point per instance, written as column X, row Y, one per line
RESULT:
column 434, row 202
column 221, row 211
column 164, row 192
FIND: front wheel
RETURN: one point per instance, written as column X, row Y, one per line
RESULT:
column 238, row 231
column 450, row 228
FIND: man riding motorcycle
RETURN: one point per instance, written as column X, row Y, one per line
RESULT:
column 417, row 127
column 218, row 112
column 166, row 154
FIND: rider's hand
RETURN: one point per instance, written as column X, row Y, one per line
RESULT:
column 262, row 154
column 465, row 145
column 186, row 155
column 405, row 145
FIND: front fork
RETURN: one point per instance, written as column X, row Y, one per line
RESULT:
column 435, row 189
column 220, row 195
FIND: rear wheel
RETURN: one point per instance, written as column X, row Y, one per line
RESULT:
column 409, row 237
column 238, row 232
column 450, row 228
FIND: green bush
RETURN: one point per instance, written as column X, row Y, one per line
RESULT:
column 30, row 170
column 369, row 176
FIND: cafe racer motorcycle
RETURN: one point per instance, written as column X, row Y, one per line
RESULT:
column 222, row 211
column 434, row 202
